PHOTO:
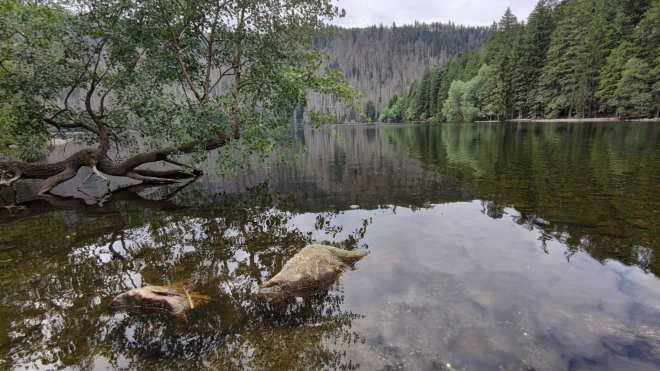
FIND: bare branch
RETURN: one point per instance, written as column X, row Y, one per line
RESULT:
column 136, row 176
column 58, row 125
column 4, row 181
column 85, row 181
column 109, row 89
column 98, row 174
column 221, row 76
column 177, row 163
column 177, row 52
column 209, row 58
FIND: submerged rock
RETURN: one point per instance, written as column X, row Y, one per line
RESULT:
column 151, row 299
column 314, row 268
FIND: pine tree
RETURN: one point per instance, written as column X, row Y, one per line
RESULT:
column 370, row 111
column 610, row 75
column 535, row 44
column 562, row 84
column 646, row 41
column 494, row 103
column 632, row 96
column 423, row 96
column 569, row 59
column 519, row 73
column 436, row 79
column 500, row 51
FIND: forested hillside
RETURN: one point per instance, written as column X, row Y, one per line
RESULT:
column 382, row 60
column 574, row 58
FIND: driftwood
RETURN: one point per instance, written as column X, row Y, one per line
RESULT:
column 158, row 299
column 151, row 299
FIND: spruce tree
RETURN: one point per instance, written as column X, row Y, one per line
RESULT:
column 519, row 73
column 632, row 96
column 494, row 101
column 610, row 75
column 436, row 77
column 563, row 86
column 423, row 95
column 535, row 44
column 646, row 41
column 370, row 111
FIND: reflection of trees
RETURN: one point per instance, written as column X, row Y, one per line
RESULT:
column 58, row 283
column 593, row 187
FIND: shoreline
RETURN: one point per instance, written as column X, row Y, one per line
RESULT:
column 604, row 119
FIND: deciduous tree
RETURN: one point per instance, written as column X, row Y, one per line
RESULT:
column 117, row 70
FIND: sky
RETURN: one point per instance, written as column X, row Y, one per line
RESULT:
column 361, row 13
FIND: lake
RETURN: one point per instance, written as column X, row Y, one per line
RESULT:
column 497, row 246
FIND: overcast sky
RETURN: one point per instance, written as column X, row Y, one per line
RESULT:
column 360, row 13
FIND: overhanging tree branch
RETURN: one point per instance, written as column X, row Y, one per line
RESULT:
column 148, row 99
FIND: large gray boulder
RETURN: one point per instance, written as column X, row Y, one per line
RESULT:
column 314, row 268
column 151, row 299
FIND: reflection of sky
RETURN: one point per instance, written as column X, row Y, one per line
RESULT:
column 443, row 284
column 458, row 239
column 493, row 276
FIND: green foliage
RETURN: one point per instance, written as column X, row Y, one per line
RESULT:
column 646, row 40
column 567, row 60
column 29, row 32
column 465, row 99
column 534, row 47
column 452, row 108
column 370, row 111
column 394, row 112
column 632, row 96
column 169, row 72
column 610, row 75
column 384, row 114
column 494, row 104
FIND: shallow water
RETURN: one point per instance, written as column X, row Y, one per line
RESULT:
column 491, row 246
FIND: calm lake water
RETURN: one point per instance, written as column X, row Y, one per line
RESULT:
column 491, row 247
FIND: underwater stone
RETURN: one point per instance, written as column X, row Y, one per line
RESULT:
column 314, row 268
column 151, row 299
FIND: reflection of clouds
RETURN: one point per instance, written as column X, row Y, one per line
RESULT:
column 644, row 256
column 223, row 254
column 440, row 278
column 576, row 238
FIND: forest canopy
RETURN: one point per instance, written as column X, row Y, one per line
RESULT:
column 574, row 58
column 184, row 77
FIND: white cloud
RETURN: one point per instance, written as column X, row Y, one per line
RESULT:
column 361, row 13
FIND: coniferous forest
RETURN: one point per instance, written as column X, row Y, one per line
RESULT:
column 383, row 60
column 570, row 59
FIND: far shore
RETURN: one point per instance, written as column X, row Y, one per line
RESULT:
column 603, row 119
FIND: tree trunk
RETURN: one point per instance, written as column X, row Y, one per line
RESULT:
column 60, row 172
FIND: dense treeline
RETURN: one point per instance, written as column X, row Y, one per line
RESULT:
column 383, row 60
column 574, row 58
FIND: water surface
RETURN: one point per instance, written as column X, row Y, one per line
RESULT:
column 491, row 246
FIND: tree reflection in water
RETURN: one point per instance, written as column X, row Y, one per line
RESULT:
column 588, row 188
column 591, row 186
column 72, row 263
